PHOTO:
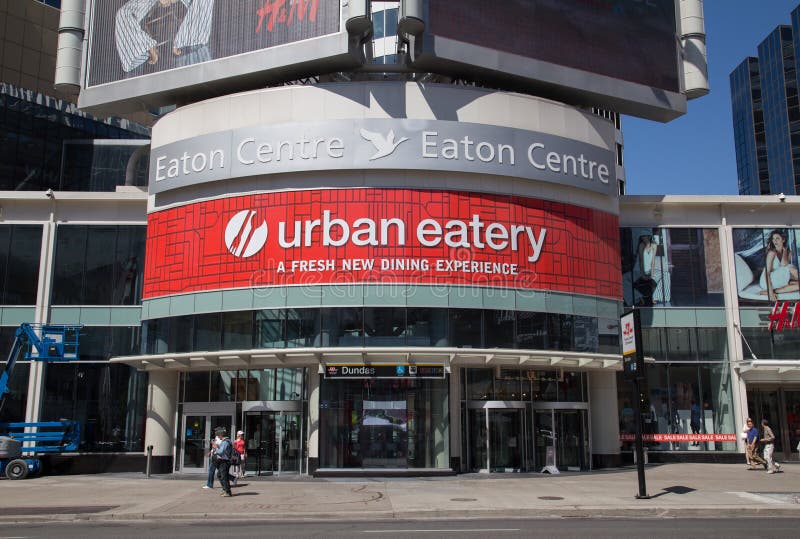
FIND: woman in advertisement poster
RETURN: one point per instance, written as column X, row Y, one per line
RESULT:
column 779, row 275
column 135, row 46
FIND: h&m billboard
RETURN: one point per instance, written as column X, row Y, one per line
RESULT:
column 618, row 54
column 381, row 236
column 136, row 46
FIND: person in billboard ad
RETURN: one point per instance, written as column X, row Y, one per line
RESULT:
column 766, row 264
column 136, row 45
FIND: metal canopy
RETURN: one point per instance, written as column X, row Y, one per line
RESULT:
column 310, row 357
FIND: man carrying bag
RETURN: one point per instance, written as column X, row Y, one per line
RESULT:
column 222, row 459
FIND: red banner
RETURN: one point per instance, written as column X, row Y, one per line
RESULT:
column 679, row 437
column 401, row 236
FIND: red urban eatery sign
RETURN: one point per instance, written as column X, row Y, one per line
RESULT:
column 389, row 236
column 679, row 437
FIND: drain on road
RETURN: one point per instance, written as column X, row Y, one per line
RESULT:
column 551, row 498
column 463, row 499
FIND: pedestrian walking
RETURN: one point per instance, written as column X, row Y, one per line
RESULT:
column 239, row 447
column 212, row 466
column 746, row 448
column 222, row 456
column 768, row 439
column 752, row 445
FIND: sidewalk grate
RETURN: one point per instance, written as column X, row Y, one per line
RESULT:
column 63, row 510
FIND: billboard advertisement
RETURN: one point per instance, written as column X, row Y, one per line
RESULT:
column 600, row 47
column 131, row 38
column 151, row 53
column 766, row 264
column 381, row 236
column 671, row 267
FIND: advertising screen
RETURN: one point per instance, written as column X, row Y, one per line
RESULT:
column 671, row 267
column 131, row 38
column 631, row 41
column 382, row 236
column 766, row 264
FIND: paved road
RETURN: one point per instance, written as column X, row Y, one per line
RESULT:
column 460, row 529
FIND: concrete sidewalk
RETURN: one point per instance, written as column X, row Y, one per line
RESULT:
column 677, row 490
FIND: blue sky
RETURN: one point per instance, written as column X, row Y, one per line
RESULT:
column 694, row 154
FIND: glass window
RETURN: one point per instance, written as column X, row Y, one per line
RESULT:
column 480, row 384
column 384, row 326
column 345, row 326
column 98, row 265
column 289, row 384
column 572, row 387
column 196, row 386
column 559, row 331
column 107, row 400
column 237, row 330
column 207, row 332
column 465, row 328
column 545, row 385
column 222, row 387
column 499, row 329
column 20, row 250
column 303, row 328
column 270, row 328
column 102, row 343
column 532, row 330
column 426, row 327
column 509, row 385
column 681, row 344
column 17, row 397
column 712, row 344
column 384, row 424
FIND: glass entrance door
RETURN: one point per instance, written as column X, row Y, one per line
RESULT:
column 198, row 430
column 499, row 439
column 567, row 432
column 274, row 442
column 505, row 438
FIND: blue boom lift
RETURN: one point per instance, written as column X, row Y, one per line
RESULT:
column 48, row 343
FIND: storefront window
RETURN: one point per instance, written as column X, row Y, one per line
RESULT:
column 384, row 326
column 237, row 330
column 426, row 327
column 465, row 328
column 681, row 400
column 372, row 423
column 107, row 400
column 302, row 328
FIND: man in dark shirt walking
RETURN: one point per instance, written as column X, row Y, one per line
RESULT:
column 222, row 456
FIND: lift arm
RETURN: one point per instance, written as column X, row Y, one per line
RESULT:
column 56, row 343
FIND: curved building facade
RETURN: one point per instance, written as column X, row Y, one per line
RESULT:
column 383, row 276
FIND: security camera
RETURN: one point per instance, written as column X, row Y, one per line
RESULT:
column 782, row 197
column 49, row 193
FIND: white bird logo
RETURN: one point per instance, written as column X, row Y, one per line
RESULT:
column 384, row 144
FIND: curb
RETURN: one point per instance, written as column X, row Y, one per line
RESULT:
column 772, row 511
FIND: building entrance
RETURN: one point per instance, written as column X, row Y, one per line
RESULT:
column 781, row 407
column 273, row 435
column 501, row 437
column 567, row 432
column 199, row 421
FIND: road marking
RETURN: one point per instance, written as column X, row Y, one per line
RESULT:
column 444, row 531
column 759, row 498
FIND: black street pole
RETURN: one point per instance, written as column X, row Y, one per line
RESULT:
column 639, row 444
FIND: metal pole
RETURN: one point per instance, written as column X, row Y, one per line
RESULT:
column 639, row 445
column 149, row 459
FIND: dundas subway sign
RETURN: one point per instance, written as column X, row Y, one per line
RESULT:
column 382, row 144
column 381, row 236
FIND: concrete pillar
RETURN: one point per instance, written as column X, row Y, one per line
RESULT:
column 455, row 418
column 313, row 420
column 604, row 419
column 161, row 410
